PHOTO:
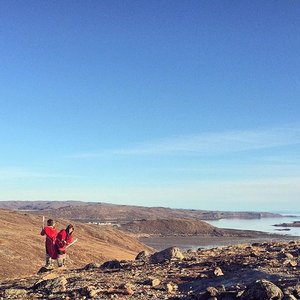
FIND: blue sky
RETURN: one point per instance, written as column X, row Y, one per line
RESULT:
column 190, row 104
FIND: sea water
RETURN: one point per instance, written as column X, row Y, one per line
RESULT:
column 263, row 224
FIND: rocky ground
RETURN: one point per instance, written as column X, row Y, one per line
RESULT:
column 257, row 271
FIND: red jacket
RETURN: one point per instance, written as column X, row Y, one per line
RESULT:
column 62, row 240
column 50, row 233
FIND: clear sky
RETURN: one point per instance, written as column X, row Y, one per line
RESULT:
column 188, row 104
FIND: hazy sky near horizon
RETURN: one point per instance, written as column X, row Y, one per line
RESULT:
column 188, row 104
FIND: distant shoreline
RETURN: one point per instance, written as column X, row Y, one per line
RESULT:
column 195, row 242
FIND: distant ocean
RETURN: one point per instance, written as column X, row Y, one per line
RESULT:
column 264, row 224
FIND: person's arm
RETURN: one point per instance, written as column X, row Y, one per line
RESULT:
column 69, row 239
column 61, row 240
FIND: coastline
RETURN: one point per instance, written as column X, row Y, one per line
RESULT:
column 205, row 241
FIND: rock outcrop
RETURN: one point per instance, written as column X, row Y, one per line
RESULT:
column 294, row 224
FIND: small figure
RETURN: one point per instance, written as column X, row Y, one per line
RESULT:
column 63, row 239
column 50, row 232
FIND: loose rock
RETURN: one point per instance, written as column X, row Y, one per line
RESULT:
column 165, row 255
column 142, row 256
column 112, row 264
column 91, row 266
column 262, row 290
column 218, row 271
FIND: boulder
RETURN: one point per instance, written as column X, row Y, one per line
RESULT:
column 153, row 282
column 91, row 266
column 262, row 290
column 165, row 255
column 212, row 292
column 55, row 285
column 15, row 293
column 128, row 288
column 43, row 270
column 171, row 287
column 142, row 256
column 296, row 290
column 218, row 271
column 256, row 244
column 111, row 264
column 285, row 255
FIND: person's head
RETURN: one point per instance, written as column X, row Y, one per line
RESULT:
column 70, row 229
column 50, row 222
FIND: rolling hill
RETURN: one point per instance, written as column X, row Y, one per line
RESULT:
column 22, row 246
column 93, row 211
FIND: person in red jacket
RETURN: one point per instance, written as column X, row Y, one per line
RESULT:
column 50, row 232
column 63, row 239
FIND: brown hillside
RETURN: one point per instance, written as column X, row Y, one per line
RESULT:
column 171, row 227
column 22, row 246
column 93, row 211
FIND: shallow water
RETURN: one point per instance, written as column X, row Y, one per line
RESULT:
column 195, row 242
column 264, row 224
